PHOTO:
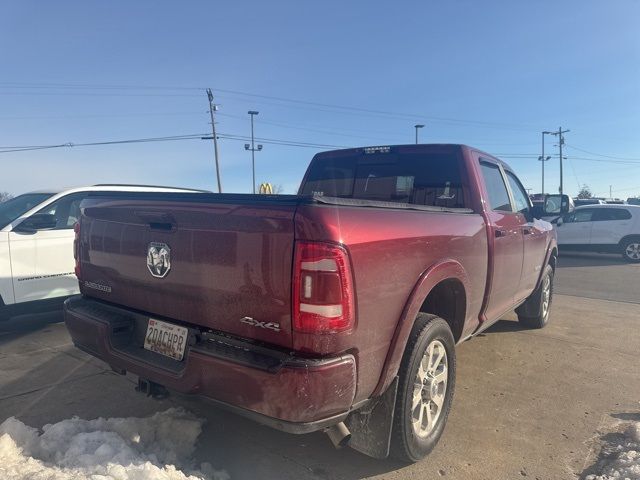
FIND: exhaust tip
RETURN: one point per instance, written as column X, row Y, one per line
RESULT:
column 339, row 435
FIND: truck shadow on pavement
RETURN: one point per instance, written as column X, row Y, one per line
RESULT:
column 504, row 326
column 248, row 450
column 27, row 324
column 46, row 380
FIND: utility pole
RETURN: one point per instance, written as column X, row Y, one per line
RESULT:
column 212, row 108
column 417, row 127
column 253, row 149
column 560, row 133
column 610, row 193
column 543, row 159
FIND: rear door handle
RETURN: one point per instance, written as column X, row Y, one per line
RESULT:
column 501, row 233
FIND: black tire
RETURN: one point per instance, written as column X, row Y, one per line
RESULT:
column 533, row 313
column 630, row 249
column 406, row 444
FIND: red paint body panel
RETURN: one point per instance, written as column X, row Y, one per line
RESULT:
column 313, row 391
column 228, row 261
column 390, row 250
column 232, row 257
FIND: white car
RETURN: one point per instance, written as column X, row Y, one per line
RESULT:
column 606, row 228
column 36, row 246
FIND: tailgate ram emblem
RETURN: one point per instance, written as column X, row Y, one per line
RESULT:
column 158, row 259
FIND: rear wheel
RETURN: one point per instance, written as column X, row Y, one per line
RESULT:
column 534, row 313
column 631, row 250
column 425, row 389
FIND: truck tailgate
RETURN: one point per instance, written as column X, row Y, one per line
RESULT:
column 222, row 262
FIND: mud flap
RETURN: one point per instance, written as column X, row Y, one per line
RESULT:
column 371, row 426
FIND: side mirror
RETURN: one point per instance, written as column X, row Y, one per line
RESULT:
column 557, row 204
column 38, row 221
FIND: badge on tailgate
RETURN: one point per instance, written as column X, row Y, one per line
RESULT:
column 158, row 259
column 166, row 339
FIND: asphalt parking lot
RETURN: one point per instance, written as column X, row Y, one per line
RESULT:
column 527, row 404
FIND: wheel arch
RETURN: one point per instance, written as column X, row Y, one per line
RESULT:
column 448, row 300
column 626, row 238
column 440, row 290
column 553, row 258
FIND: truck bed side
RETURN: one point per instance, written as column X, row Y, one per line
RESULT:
column 390, row 250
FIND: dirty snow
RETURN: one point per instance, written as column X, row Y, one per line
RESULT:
column 620, row 459
column 153, row 448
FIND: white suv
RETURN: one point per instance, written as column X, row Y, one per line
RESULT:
column 36, row 246
column 602, row 228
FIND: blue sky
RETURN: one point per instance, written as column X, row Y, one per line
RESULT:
column 490, row 74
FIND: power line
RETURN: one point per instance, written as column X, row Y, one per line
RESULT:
column 525, row 156
column 197, row 136
column 574, row 173
column 366, row 110
column 281, row 142
column 108, row 142
column 93, row 94
column 98, row 115
column 306, row 103
column 316, row 130
column 93, row 86
column 395, row 116
column 602, row 155
column 284, row 142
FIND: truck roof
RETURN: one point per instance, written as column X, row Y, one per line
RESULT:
column 409, row 148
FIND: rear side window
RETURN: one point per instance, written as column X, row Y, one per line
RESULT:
column 421, row 179
column 605, row 214
column 496, row 189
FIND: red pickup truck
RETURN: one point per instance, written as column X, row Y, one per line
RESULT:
column 336, row 309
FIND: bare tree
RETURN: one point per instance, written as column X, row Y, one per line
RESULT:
column 585, row 192
column 4, row 196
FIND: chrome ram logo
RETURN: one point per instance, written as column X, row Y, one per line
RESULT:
column 158, row 259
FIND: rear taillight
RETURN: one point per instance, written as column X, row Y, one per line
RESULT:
column 76, row 248
column 322, row 289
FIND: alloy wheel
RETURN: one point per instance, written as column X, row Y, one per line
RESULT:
column 430, row 388
column 633, row 251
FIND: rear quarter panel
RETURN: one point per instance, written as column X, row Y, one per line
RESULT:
column 390, row 252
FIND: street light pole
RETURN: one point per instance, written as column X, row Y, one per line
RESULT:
column 253, row 149
column 417, row 127
column 543, row 159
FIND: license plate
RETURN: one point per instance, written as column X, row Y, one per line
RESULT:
column 166, row 339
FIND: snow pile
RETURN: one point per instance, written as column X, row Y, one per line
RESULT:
column 620, row 460
column 153, row 448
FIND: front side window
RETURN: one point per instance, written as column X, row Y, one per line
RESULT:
column 496, row 188
column 66, row 210
column 582, row 215
column 519, row 195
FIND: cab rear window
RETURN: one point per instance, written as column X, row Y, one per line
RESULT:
column 421, row 179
